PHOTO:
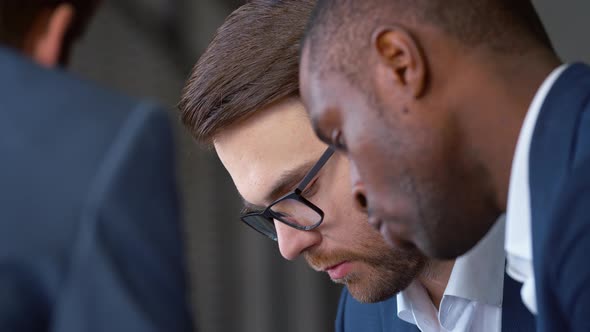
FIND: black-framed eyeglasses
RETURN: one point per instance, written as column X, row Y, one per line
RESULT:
column 292, row 209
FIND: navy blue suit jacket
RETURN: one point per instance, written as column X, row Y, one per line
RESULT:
column 560, row 203
column 89, row 218
column 354, row 316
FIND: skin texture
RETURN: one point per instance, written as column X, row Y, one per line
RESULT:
column 278, row 140
column 431, row 137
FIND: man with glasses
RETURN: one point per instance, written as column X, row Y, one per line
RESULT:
column 292, row 209
column 242, row 97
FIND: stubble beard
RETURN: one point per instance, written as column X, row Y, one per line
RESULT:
column 388, row 271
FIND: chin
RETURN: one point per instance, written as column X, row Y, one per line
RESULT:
column 369, row 296
column 372, row 291
column 455, row 246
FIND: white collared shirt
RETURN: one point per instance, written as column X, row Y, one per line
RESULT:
column 472, row 300
column 519, row 248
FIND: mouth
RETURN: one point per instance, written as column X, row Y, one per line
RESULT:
column 339, row 271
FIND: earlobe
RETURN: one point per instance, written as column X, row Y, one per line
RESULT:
column 48, row 45
column 400, row 52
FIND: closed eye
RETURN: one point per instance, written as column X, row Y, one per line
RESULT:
column 311, row 188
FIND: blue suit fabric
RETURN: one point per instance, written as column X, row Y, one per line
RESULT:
column 89, row 213
column 559, row 181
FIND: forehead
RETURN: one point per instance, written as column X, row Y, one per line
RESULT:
column 327, row 95
column 257, row 151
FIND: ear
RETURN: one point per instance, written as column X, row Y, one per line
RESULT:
column 47, row 44
column 399, row 52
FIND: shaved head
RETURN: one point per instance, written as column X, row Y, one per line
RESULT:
column 418, row 94
column 502, row 26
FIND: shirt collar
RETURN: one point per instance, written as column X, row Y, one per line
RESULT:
column 479, row 274
column 518, row 212
column 476, row 276
column 518, row 245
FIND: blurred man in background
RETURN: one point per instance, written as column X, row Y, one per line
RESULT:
column 89, row 220
column 243, row 97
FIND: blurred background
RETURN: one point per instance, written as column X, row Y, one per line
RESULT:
column 239, row 281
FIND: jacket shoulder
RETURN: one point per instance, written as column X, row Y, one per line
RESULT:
column 56, row 130
column 354, row 316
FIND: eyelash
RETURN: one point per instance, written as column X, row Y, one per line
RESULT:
column 311, row 188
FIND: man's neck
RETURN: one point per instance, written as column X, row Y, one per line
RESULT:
column 435, row 279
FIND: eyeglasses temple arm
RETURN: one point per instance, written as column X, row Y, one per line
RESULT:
column 315, row 169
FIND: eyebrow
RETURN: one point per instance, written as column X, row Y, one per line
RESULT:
column 288, row 180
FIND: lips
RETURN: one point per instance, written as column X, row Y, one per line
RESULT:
column 339, row 271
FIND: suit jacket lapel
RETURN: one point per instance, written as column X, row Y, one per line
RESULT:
column 553, row 144
column 515, row 316
column 556, row 146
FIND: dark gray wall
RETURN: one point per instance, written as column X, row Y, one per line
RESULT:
column 240, row 282
column 568, row 24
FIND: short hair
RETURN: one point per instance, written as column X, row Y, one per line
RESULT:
column 506, row 26
column 252, row 62
column 18, row 16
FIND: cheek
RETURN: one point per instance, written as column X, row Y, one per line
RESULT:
column 350, row 229
column 389, row 166
column 375, row 169
column 394, row 154
column 341, row 215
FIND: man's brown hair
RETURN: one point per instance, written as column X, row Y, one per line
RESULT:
column 252, row 62
column 18, row 16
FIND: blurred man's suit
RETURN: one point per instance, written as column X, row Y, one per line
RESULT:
column 354, row 316
column 90, row 237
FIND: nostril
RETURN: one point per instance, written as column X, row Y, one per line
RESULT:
column 361, row 200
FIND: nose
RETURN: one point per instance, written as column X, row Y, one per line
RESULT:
column 293, row 242
column 359, row 193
